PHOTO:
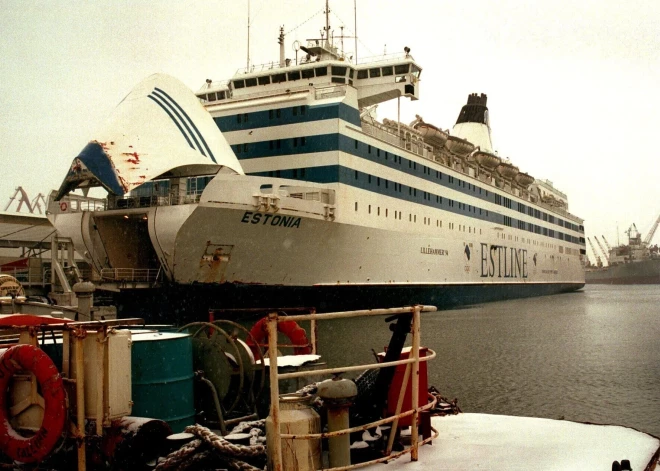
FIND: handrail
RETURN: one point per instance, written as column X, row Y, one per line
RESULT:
column 274, row 318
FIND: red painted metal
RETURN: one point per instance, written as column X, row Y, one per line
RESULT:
column 291, row 329
column 36, row 448
column 29, row 320
column 397, row 384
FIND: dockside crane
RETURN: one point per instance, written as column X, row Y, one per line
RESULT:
column 599, row 263
column 607, row 244
column 649, row 236
column 600, row 246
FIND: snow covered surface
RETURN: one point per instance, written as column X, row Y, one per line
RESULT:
column 497, row 442
column 293, row 360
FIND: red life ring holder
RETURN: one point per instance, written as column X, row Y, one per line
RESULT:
column 296, row 334
column 63, row 206
column 36, row 448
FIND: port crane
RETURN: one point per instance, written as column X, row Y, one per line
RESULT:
column 600, row 246
column 607, row 244
column 649, row 236
column 593, row 249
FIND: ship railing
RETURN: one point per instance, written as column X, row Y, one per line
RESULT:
column 411, row 376
column 133, row 202
column 394, row 56
column 385, row 133
column 139, row 275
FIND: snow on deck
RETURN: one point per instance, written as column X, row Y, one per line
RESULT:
column 497, row 442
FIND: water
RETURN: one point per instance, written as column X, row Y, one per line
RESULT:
column 591, row 356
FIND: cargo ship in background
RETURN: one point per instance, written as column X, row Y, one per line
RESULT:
column 637, row 263
column 281, row 187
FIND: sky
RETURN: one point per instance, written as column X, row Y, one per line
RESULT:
column 572, row 85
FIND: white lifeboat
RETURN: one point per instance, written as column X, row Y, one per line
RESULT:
column 523, row 179
column 507, row 170
column 486, row 159
column 431, row 134
column 458, row 146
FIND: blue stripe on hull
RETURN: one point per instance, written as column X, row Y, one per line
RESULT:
column 181, row 304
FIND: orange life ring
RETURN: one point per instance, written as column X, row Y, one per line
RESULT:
column 36, row 448
column 296, row 334
column 63, row 206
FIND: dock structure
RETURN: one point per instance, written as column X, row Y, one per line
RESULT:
column 25, row 246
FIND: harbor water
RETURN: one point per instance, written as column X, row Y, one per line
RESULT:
column 590, row 356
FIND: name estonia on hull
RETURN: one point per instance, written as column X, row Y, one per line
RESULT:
column 283, row 178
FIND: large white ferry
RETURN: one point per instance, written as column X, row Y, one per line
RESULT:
column 305, row 198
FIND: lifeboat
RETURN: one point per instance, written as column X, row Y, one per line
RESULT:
column 486, row 159
column 523, row 179
column 431, row 134
column 507, row 170
column 459, row 146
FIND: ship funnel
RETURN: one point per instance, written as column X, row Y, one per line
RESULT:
column 473, row 124
column 159, row 130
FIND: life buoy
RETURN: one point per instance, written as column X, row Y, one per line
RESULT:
column 63, row 206
column 296, row 334
column 37, row 447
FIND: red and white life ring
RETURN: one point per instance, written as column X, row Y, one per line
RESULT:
column 35, row 448
column 296, row 334
column 63, row 206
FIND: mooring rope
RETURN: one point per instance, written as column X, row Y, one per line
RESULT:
column 175, row 459
column 223, row 446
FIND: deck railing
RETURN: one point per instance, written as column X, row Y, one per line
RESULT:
column 139, row 275
column 412, row 372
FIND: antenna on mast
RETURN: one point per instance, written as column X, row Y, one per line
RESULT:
column 327, row 21
column 355, row 28
column 248, row 38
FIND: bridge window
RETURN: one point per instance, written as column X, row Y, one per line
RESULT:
column 294, row 75
column 339, row 71
column 279, row 78
column 338, row 80
column 307, row 73
column 321, row 71
column 264, row 80
column 239, row 83
column 251, row 82
column 401, row 69
column 374, row 72
column 388, row 71
column 362, row 74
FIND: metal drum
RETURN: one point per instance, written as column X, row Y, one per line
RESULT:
column 162, row 378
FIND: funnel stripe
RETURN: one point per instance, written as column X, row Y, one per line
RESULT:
column 199, row 134
column 190, row 133
column 173, row 119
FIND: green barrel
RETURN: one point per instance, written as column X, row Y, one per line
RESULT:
column 162, row 378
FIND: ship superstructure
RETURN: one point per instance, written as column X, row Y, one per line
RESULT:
column 335, row 208
column 637, row 262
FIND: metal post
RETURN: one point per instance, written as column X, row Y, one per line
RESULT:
column 274, row 391
column 313, row 332
column 415, row 383
column 80, row 401
column 399, row 405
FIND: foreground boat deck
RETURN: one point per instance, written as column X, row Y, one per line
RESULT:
column 497, row 442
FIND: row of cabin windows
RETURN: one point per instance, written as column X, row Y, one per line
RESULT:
column 427, row 221
column 507, row 220
column 274, row 144
column 425, row 170
column 297, row 173
column 427, row 196
column 499, row 199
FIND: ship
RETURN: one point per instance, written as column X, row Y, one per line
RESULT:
column 635, row 263
column 280, row 186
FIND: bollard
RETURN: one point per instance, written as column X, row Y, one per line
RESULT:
column 337, row 395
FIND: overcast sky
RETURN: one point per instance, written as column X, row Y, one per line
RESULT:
column 572, row 85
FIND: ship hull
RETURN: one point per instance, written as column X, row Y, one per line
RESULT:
column 189, row 303
column 646, row 272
